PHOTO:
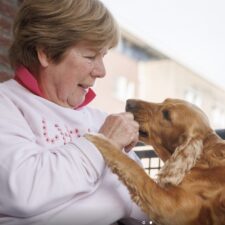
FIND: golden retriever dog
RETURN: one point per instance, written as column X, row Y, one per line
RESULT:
column 190, row 189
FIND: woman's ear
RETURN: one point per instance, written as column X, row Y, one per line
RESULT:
column 43, row 58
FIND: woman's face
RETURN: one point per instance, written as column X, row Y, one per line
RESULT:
column 67, row 82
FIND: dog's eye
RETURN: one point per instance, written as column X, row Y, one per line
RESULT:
column 143, row 133
column 166, row 114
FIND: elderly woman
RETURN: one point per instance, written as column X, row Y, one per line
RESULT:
column 50, row 174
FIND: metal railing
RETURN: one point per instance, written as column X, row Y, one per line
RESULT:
column 150, row 160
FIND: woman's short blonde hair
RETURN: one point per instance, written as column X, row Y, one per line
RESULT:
column 56, row 25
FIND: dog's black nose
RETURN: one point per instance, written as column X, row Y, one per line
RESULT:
column 130, row 105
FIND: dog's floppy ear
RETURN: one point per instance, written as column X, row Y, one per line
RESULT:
column 181, row 161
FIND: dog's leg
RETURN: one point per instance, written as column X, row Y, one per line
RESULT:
column 123, row 166
column 166, row 206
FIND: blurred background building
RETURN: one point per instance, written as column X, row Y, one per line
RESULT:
column 134, row 70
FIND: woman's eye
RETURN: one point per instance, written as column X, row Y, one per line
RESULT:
column 90, row 57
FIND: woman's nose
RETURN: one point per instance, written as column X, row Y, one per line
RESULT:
column 99, row 68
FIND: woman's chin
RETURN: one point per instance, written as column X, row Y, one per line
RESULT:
column 75, row 102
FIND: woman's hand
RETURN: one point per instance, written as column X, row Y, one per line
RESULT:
column 122, row 130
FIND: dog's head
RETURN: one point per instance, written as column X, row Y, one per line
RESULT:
column 169, row 125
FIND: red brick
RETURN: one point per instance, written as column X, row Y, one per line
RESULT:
column 7, row 8
column 4, row 60
column 4, row 76
column 5, row 42
column 5, row 23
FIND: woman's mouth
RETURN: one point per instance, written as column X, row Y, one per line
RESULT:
column 84, row 87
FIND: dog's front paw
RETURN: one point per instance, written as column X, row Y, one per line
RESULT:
column 96, row 138
column 99, row 140
column 103, row 144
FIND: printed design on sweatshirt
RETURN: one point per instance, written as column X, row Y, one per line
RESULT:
column 61, row 133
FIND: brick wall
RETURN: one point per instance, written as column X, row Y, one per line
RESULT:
column 7, row 12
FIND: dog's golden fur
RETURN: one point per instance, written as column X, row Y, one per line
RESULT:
column 190, row 189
